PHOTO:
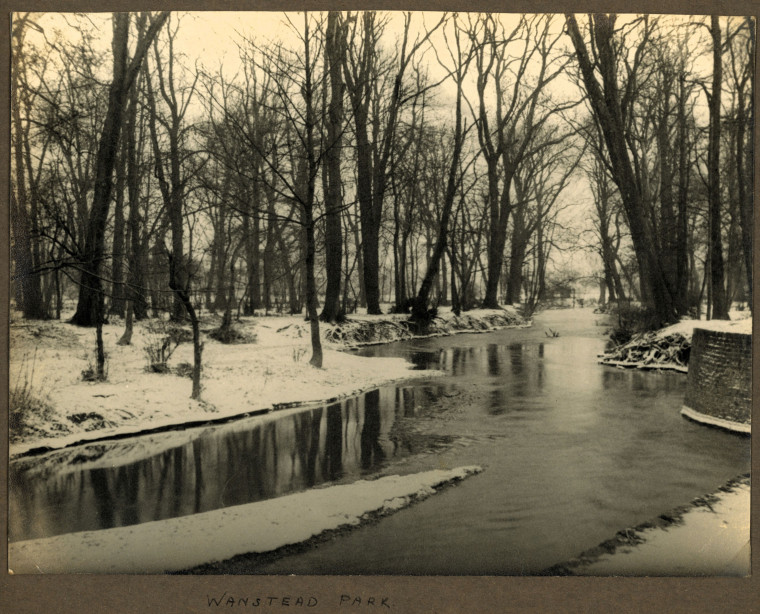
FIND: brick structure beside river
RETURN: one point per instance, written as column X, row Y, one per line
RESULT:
column 720, row 380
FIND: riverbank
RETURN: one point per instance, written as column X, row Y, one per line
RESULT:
column 708, row 537
column 53, row 406
column 669, row 348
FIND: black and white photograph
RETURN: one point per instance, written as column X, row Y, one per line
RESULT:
column 380, row 293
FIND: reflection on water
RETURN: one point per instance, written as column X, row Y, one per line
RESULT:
column 572, row 452
column 122, row 482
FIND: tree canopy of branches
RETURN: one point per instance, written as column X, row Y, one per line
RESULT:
column 359, row 159
column 640, row 86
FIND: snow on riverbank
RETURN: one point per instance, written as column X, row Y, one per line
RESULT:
column 269, row 372
column 711, row 537
column 669, row 347
column 686, row 327
column 365, row 331
column 190, row 541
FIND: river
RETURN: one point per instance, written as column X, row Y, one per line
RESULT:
column 572, row 452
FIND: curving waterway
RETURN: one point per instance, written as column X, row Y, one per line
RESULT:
column 572, row 453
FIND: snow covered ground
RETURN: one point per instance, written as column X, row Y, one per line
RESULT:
column 267, row 373
column 711, row 538
column 667, row 348
column 189, row 541
column 741, row 324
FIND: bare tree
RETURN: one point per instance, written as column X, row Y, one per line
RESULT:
column 172, row 174
column 362, row 76
column 125, row 70
column 719, row 303
column 24, row 213
column 741, row 49
column 611, row 108
column 335, row 54
column 461, row 59
column 519, row 80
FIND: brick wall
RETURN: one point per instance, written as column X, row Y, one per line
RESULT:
column 720, row 375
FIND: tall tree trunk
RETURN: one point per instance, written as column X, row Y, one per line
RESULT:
column 126, row 337
column 370, row 231
column 28, row 282
column 269, row 256
column 307, row 184
column 456, row 305
column 359, row 263
column 419, row 308
column 542, row 257
column 682, row 230
column 399, row 297
column 745, row 162
column 718, row 288
column 311, row 298
column 117, row 264
column 497, row 238
column 668, row 229
column 334, row 52
column 184, row 295
column 100, row 372
column 124, row 73
column 517, row 253
column 252, row 232
column 219, row 276
column 211, row 276
column 176, row 222
column 517, row 249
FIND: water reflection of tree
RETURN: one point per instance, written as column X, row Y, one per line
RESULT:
column 372, row 453
column 423, row 360
column 103, row 499
column 162, row 461
column 404, row 403
column 178, row 483
column 540, row 369
column 220, row 467
column 333, row 457
column 127, row 491
column 198, row 466
column 493, row 360
column 458, row 359
column 516, row 359
column 307, row 426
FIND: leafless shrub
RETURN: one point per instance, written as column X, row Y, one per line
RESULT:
column 160, row 342
column 27, row 402
column 184, row 369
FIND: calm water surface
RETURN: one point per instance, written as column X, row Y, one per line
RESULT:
column 572, row 453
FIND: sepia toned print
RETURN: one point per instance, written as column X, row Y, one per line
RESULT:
column 380, row 293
